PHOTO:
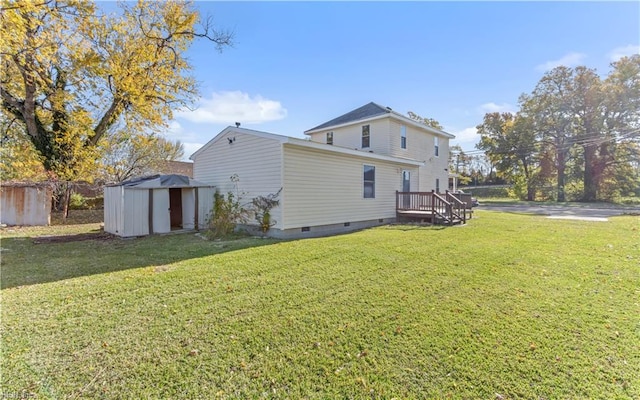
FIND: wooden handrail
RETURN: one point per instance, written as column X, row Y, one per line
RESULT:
column 459, row 206
column 445, row 206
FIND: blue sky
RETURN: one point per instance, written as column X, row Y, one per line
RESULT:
column 298, row 64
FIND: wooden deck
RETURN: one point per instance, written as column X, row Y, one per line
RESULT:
column 435, row 208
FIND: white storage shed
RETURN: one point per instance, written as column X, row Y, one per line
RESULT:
column 25, row 203
column 156, row 204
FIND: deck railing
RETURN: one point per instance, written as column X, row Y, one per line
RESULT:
column 436, row 204
column 458, row 206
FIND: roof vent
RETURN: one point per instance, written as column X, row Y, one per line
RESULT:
column 389, row 108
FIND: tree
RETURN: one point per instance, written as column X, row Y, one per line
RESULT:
column 551, row 119
column 72, row 76
column 20, row 161
column 426, row 121
column 511, row 145
column 126, row 156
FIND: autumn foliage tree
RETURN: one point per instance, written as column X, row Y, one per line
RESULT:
column 73, row 76
column 577, row 129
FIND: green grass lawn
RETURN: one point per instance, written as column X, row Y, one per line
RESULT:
column 509, row 306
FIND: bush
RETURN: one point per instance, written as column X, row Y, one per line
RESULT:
column 227, row 212
column 77, row 202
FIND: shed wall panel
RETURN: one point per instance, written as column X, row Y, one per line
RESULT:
column 188, row 208
column 161, row 213
column 135, row 212
column 25, row 205
column 113, row 217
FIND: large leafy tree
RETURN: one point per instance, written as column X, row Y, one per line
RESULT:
column 127, row 156
column 425, row 120
column 511, row 146
column 72, row 76
column 587, row 129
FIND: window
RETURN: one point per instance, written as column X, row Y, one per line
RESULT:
column 329, row 137
column 403, row 136
column 369, row 182
column 436, row 143
column 437, row 185
column 365, row 136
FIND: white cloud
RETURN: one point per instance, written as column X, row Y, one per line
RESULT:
column 190, row 148
column 493, row 107
column 235, row 106
column 467, row 135
column 623, row 51
column 569, row 60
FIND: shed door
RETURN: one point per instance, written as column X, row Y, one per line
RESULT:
column 175, row 207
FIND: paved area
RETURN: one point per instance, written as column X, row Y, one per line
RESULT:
column 592, row 212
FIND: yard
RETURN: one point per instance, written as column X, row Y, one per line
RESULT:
column 508, row 306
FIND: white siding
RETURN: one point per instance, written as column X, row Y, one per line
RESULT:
column 420, row 147
column 351, row 136
column 324, row 188
column 257, row 162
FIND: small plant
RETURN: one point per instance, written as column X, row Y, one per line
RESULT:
column 227, row 212
column 77, row 202
column 262, row 206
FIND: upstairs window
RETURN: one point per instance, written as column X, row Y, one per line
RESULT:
column 437, row 185
column 365, row 136
column 436, row 145
column 329, row 137
column 403, row 137
column 369, row 182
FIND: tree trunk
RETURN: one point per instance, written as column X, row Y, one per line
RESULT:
column 590, row 179
column 562, row 164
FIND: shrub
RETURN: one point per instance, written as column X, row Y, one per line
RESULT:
column 262, row 206
column 77, row 202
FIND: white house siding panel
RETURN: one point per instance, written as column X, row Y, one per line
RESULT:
column 256, row 161
column 351, row 136
column 421, row 147
column 135, row 212
column 324, row 188
column 113, row 218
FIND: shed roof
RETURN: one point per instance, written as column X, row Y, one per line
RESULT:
column 162, row 181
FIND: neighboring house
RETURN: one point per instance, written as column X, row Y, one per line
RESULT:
column 344, row 178
column 176, row 168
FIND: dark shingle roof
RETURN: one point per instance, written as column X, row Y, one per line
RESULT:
column 367, row 111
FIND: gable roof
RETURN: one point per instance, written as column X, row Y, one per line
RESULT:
column 230, row 129
column 367, row 111
column 373, row 111
column 288, row 140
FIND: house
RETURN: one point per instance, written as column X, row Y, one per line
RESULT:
column 156, row 204
column 345, row 176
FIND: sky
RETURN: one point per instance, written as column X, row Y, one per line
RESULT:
column 295, row 65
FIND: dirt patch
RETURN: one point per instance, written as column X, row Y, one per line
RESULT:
column 74, row 238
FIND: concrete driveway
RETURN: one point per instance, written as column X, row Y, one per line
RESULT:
column 591, row 212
